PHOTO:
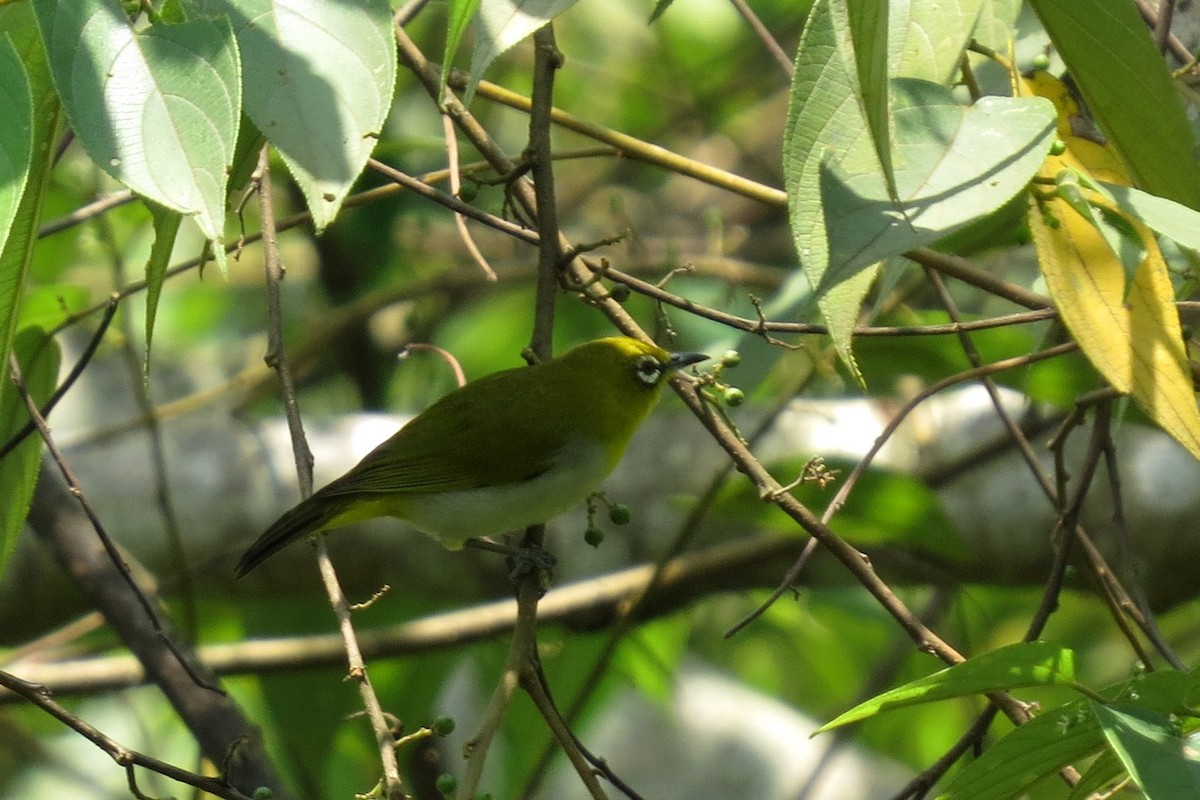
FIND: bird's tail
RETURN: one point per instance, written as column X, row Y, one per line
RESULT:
column 310, row 516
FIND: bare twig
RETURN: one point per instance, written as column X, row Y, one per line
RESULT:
column 123, row 756
column 277, row 359
column 110, row 309
column 455, row 187
column 765, row 36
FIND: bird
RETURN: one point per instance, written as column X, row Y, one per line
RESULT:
column 512, row 449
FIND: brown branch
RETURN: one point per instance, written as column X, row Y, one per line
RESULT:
column 213, row 718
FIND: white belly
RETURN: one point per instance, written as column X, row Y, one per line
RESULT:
column 453, row 517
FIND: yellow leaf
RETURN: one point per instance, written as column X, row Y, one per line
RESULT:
column 1133, row 338
column 1086, row 148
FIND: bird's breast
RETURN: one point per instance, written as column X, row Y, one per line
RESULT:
column 575, row 471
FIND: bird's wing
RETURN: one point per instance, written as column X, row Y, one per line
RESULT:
column 512, row 444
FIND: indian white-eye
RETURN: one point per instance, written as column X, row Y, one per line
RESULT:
column 509, row 450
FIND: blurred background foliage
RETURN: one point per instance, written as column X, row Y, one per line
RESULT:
column 394, row 272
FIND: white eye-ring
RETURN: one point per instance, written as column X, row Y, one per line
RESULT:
column 649, row 370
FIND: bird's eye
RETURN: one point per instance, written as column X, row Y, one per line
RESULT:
column 649, row 370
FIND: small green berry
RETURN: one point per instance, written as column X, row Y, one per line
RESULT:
column 731, row 358
column 619, row 292
column 468, row 192
column 1058, row 147
column 442, row 725
column 733, row 397
column 447, row 784
column 264, row 793
column 618, row 513
column 1041, row 61
column 593, row 536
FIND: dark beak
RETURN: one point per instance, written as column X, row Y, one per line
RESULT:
column 680, row 360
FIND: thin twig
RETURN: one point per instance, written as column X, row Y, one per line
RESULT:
column 455, row 188
column 277, row 359
column 110, row 309
column 765, row 36
column 123, row 756
column 1127, row 559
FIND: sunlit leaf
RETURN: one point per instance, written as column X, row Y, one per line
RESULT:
column 1011, row 667
column 318, row 80
column 157, row 109
column 1058, row 737
column 501, row 24
column 17, row 24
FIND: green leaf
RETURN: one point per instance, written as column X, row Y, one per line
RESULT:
column 48, row 306
column 16, row 156
column 38, row 356
column 824, row 118
column 868, row 26
column 501, row 24
column 1010, row 667
column 462, row 12
column 1060, row 736
column 16, row 135
column 1103, row 773
column 996, row 26
column 954, row 164
column 166, row 229
column 1171, row 219
column 934, row 36
column 18, row 25
column 318, row 79
column 1128, row 89
column 157, row 109
column 1162, row 765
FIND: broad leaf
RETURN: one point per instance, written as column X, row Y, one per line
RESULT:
column 934, row 35
column 38, row 356
column 1156, row 758
column 997, row 23
column 16, row 135
column 157, row 109
column 1126, row 326
column 318, row 80
column 501, row 24
column 954, row 164
column 1010, row 667
column 868, row 22
column 18, row 26
column 1058, row 737
column 1171, row 219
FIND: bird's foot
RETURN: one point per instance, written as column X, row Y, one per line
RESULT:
column 521, row 560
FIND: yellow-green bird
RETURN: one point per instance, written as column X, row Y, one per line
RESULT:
column 509, row 450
